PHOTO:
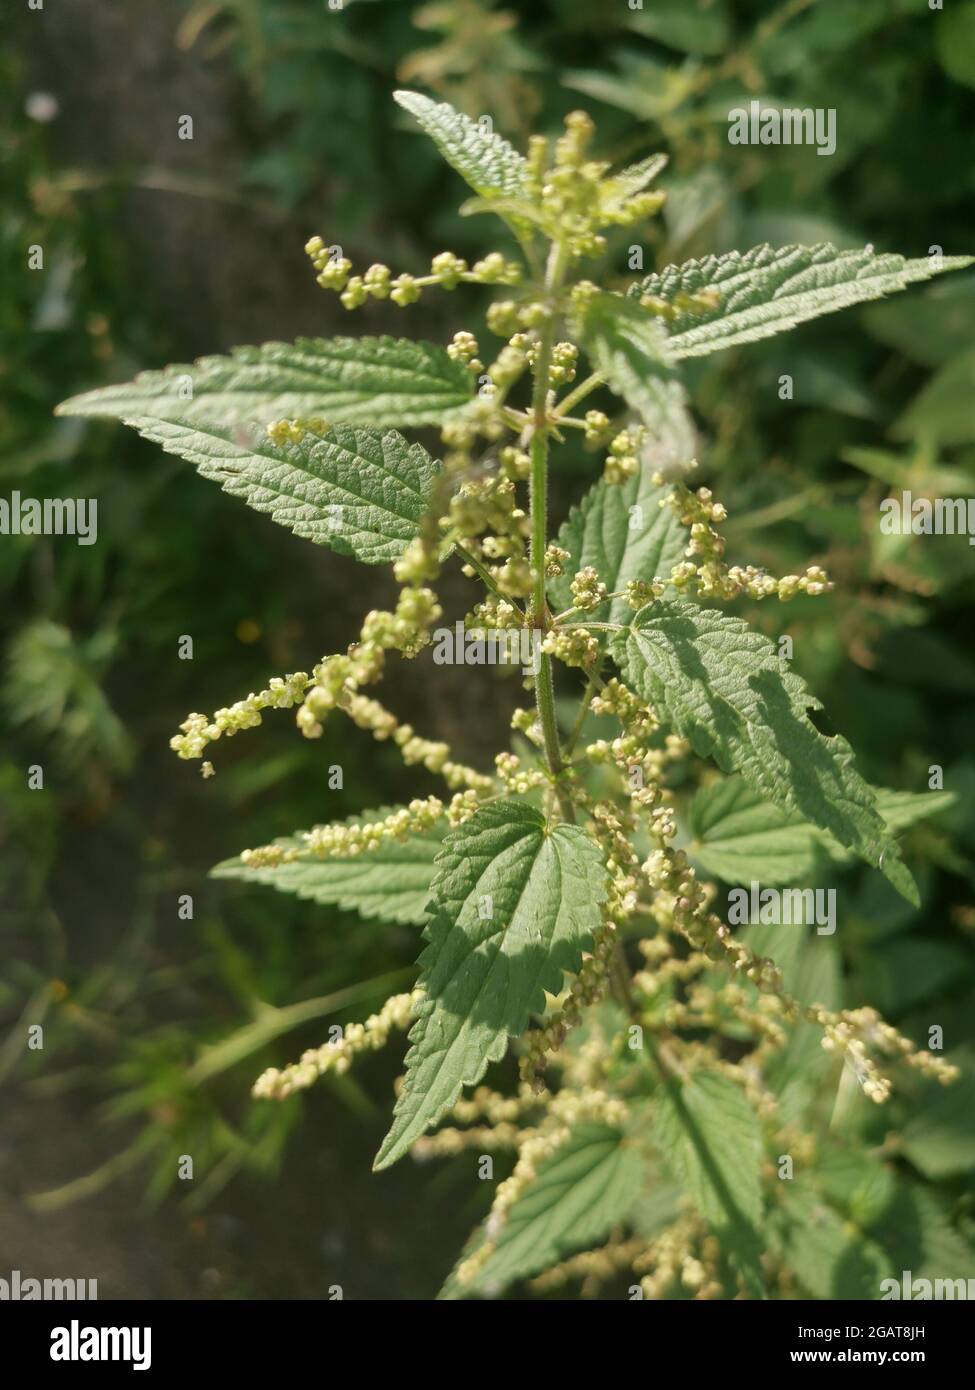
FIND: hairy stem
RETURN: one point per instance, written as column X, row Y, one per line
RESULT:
column 587, row 694
column 579, row 393
column 485, row 575
column 538, row 494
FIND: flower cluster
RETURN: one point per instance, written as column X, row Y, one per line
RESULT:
column 705, row 571
column 622, row 461
column 198, row 730
column 397, row 1012
column 446, row 270
column 681, row 904
column 577, row 197
column 587, row 589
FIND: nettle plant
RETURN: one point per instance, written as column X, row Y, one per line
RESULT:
column 669, row 1126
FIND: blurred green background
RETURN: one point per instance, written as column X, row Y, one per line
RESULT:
column 158, row 249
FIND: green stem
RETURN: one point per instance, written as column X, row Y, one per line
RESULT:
column 538, row 503
column 620, row 980
column 539, row 534
column 485, row 575
column 579, row 393
column 596, row 627
column 567, row 613
column 587, row 695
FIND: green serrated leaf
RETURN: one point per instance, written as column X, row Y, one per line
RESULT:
column 739, row 836
column 517, row 211
column 589, row 1184
column 828, row 1255
column 860, row 1184
column 390, row 883
column 629, row 350
column 624, row 533
column 484, row 160
column 611, row 322
column 360, row 492
column 765, row 291
column 903, row 809
column 381, row 382
column 722, row 686
column 710, row 1137
column 636, row 177
column 513, row 906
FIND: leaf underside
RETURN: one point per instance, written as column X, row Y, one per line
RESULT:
column 765, row 291
column 484, row 160
column 635, row 177
column 381, row 382
column 359, row 492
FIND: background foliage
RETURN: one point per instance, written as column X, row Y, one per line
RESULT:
column 157, row 250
